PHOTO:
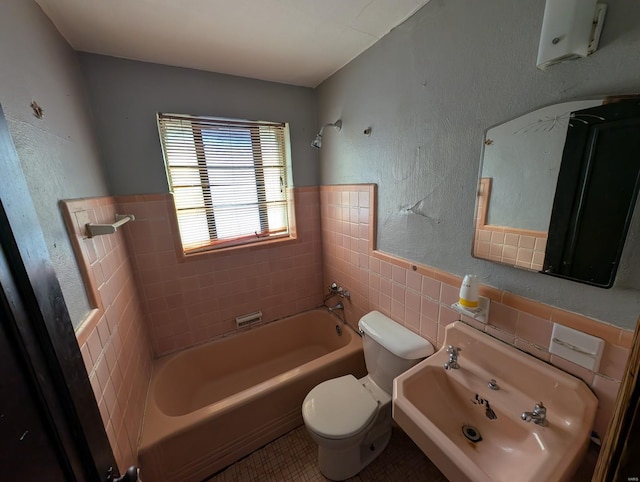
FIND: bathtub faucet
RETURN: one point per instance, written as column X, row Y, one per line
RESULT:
column 335, row 290
column 337, row 306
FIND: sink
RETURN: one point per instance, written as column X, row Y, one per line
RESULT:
column 473, row 433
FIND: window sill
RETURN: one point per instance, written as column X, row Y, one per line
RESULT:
column 199, row 253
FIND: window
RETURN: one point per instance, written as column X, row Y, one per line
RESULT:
column 228, row 178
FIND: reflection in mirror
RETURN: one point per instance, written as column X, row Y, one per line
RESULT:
column 518, row 176
column 589, row 209
column 596, row 193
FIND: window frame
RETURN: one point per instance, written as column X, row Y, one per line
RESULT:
column 256, row 240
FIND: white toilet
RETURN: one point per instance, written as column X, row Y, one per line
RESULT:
column 350, row 419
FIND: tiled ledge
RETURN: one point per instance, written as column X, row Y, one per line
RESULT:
column 113, row 337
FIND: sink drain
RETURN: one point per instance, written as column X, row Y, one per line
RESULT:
column 471, row 433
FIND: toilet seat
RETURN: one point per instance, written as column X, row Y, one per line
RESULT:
column 339, row 408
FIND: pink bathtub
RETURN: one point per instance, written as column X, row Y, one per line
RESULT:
column 213, row 404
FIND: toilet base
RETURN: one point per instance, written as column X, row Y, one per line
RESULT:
column 341, row 464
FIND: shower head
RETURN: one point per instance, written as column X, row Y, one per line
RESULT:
column 317, row 142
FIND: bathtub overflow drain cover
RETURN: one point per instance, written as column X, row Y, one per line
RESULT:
column 471, row 433
column 338, row 330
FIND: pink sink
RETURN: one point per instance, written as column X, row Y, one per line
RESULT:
column 473, row 433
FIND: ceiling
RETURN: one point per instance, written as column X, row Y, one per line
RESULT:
column 299, row 42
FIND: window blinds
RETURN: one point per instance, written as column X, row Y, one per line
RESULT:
column 228, row 178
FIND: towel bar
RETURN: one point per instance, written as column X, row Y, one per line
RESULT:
column 95, row 229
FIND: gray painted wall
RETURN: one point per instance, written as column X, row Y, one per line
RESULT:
column 59, row 153
column 429, row 90
column 126, row 95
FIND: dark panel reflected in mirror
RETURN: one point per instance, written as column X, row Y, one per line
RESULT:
column 592, row 201
column 595, row 195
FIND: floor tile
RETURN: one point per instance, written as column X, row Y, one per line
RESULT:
column 293, row 457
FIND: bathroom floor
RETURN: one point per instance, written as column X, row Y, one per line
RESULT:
column 294, row 457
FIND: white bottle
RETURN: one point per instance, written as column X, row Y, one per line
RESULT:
column 469, row 294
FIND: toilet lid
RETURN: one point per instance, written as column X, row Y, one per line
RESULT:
column 338, row 408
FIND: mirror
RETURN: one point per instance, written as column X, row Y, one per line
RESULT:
column 518, row 179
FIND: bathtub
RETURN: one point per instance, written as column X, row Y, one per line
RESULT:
column 211, row 405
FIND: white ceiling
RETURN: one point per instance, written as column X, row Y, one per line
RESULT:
column 300, row 42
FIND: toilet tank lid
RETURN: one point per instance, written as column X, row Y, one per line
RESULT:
column 394, row 337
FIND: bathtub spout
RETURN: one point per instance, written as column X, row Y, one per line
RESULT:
column 337, row 306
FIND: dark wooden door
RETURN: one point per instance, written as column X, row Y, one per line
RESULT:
column 28, row 449
column 50, row 425
column 629, row 468
column 596, row 193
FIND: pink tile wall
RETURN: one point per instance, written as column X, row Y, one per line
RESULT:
column 190, row 302
column 419, row 297
column 517, row 247
column 522, row 248
column 113, row 339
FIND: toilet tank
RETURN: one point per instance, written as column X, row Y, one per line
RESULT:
column 389, row 348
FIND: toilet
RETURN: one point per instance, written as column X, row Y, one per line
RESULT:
column 350, row 419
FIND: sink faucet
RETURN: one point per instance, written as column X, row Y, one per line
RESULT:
column 538, row 416
column 453, row 352
column 337, row 306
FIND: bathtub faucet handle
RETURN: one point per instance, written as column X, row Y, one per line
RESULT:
column 335, row 290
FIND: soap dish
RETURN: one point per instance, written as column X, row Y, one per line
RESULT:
column 577, row 347
column 481, row 313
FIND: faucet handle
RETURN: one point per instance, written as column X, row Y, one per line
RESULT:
column 540, row 409
column 334, row 289
column 453, row 350
column 538, row 416
column 453, row 358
